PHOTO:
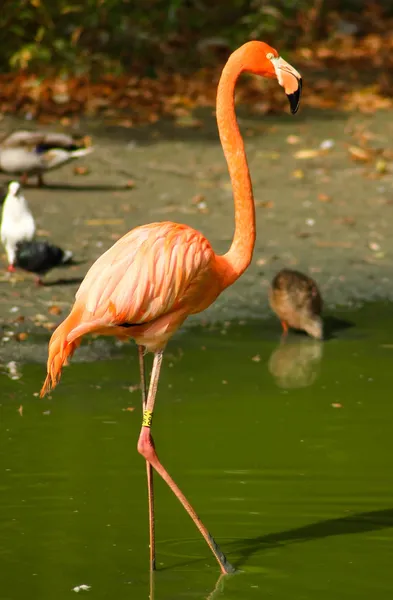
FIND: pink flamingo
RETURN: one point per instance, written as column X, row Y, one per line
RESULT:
column 156, row 275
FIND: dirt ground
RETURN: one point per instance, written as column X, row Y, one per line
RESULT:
column 318, row 210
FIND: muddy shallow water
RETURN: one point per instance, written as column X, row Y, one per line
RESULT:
column 285, row 449
column 326, row 215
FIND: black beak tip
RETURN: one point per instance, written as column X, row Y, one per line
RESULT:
column 294, row 99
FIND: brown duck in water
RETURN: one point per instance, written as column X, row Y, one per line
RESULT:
column 297, row 302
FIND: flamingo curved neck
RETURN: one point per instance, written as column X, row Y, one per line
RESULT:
column 240, row 253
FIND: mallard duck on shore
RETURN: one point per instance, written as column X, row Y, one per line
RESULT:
column 296, row 300
column 28, row 153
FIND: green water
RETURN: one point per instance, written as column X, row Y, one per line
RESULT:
column 298, row 492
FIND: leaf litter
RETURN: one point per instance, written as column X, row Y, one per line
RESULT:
column 131, row 99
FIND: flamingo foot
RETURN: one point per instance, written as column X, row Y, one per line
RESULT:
column 284, row 328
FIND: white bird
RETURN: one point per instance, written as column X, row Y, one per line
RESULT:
column 17, row 222
column 29, row 153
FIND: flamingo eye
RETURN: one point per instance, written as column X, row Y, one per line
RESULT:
column 270, row 56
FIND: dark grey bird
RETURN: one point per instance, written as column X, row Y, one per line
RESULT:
column 40, row 256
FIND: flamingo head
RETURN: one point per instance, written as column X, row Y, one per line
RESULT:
column 262, row 59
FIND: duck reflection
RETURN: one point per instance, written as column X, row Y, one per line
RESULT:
column 296, row 363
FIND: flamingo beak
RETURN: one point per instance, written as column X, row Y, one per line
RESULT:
column 294, row 97
column 290, row 80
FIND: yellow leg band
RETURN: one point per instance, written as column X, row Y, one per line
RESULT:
column 147, row 418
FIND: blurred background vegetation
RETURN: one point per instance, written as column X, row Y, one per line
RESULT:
column 88, row 36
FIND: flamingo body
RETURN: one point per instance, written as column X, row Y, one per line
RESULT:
column 143, row 287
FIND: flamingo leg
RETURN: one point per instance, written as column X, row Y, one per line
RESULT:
column 147, row 450
column 149, row 468
column 284, row 328
column 40, row 180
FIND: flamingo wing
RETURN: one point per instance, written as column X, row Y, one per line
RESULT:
column 153, row 271
column 149, row 272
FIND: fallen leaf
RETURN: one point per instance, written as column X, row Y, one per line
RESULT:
column 82, row 587
column 133, row 388
column 271, row 155
column 187, row 120
column 298, row 174
column 197, row 198
column 19, row 319
column 54, row 310
column 326, row 144
column 293, row 139
column 374, row 246
column 81, row 170
column 20, row 410
column 264, row 204
column 345, row 221
column 359, row 154
column 125, row 123
column 306, row 154
column 22, row 336
column 256, row 358
column 129, row 409
column 202, row 207
column 336, row 405
column 324, row 198
column 13, row 372
column 381, row 166
column 39, row 317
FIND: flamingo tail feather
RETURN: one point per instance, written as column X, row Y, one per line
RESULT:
column 60, row 350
